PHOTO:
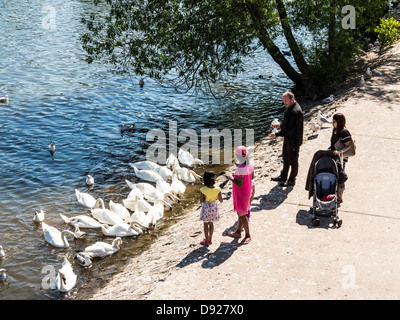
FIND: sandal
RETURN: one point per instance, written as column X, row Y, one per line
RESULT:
column 246, row 240
column 233, row 235
column 204, row 242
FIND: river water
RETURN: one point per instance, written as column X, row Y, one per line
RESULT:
column 56, row 96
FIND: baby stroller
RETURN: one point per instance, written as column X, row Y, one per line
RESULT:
column 326, row 182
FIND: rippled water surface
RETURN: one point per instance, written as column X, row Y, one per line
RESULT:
column 56, row 96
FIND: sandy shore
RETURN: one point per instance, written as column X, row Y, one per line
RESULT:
column 288, row 258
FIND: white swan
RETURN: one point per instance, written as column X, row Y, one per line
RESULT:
column 39, row 216
column 3, row 275
column 177, row 185
column 66, row 278
column 165, row 187
column 187, row 159
column 56, row 238
column 106, row 216
column 83, row 260
column 4, row 99
column 157, row 211
column 85, row 199
column 89, row 180
column 152, row 194
column 172, row 161
column 123, row 230
column 145, row 165
column 79, row 234
column 164, row 172
column 82, row 221
column 2, row 253
column 186, row 175
column 129, row 203
column 102, row 249
column 147, row 175
column 120, row 210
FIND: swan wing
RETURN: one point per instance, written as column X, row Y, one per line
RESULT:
column 106, row 216
column 52, row 235
column 85, row 199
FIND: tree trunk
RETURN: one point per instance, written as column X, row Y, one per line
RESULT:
column 331, row 31
column 272, row 49
column 287, row 30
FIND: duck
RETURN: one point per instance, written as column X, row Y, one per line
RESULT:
column 2, row 253
column 56, row 238
column 52, row 147
column 106, row 216
column 83, row 260
column 141, row 83
column 3, row 275
column 186, row 159
column 123, row 230
column 66, row 278
column 127, row 127
column 321, row 119
column 82, row 221
column 287, row 53
column 102, row 249
column 39, row 216
column 86, row 199
column 329, row 99
column 4, row 99
column 120, row 210
column 89, row 180
column 147, row 175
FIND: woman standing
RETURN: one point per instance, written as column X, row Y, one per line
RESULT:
column 340, row 133
column 241, row 192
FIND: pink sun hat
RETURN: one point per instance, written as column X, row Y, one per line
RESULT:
column 241, row 151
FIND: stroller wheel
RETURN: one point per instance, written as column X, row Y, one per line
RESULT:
column 339, row 223
column 315, row 222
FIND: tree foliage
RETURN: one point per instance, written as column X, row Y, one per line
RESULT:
column 193, row 43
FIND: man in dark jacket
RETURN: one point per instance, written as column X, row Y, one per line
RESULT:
column 292, row 133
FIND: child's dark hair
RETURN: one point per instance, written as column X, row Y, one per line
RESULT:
column 209, row 178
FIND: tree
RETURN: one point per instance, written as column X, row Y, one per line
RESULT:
column 193, row 43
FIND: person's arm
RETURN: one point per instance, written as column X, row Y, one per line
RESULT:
column 293, row 121
column 347, row 147
column 238, row 181
column 220, row 197
column 202, row 198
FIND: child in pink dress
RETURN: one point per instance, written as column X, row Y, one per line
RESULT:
column 209, row 208
column 241, row 192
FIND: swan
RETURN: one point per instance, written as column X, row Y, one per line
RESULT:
column 39, row 216
column 152, row 194
column 56, row 238
column 85, row 199
column 83, row 260
column 120, row 210
column 2, row 253
column 123, row 230
column 187, row 159
column 3, row 275
column 106, row 216
column 4, row 99
column 79, row 234
column 66, row 278
column 89, row 180
column 129, row 203
column 177, row 185
column 147, row 175
column 164, row 172
column 172, row 161
column 145, row 165
column 186, row 174
column 81, row 221
column 165, row 187
column 157, row 210
column 102, row 249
